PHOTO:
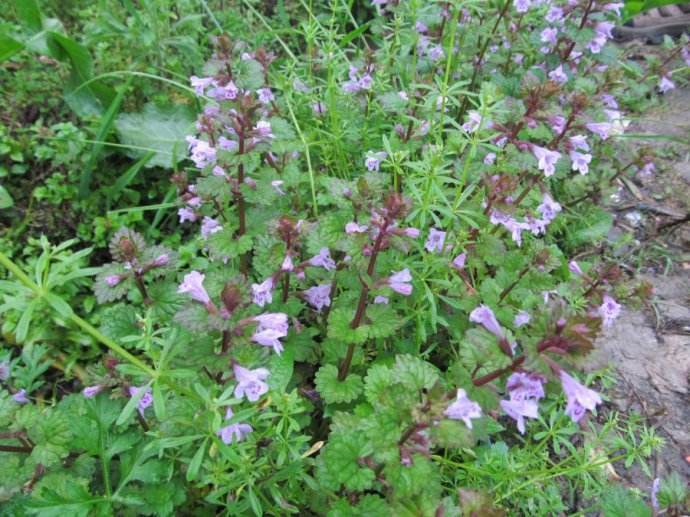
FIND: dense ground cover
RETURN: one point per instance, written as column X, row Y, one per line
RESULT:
column 317, row 258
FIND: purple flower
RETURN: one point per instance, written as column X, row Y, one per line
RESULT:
column 161, row 260
column 263, row 293
column 666, row 84
column 435, row 53
column 4, row 370
column 579, row 142
column 186, row 214
column 225, row 93
column 250, row 383
column 474, row 122
column 574, row 268
column 685, row 53
column 522, row 6
column 263, row 130
column 580, row 161
column 596, row 44
column 271, row 327
column 353, row 227
column 193, row 285
column 233, row 432
column 200, row 83
column 521, row 386
column 616, row 7
column 319, row 296
column 226, row 145
column 558, row 75
column 269, row 337
column 265, row 95
column 548, row 208
column 146, row 399
column 272, row 320
column 609, row 310
column 602, row 129
column 318, row 108
column 287, row 264
column 434, row 243
column 323, row 259
column 412, row 233
column 648, row 169
column 381, row 299
column 605, row 29
column 521, row 318
column 489, row 159
column 420, row 27
column 557, row 124
column 202, row 154
column 580, row 398
column 554, row 14
column 547, row 159
column 400, row 282
column 519, row 409
column 113, row 280
column 373, row 160
column 209, row 226
column 609, row 101
column 459, row 262
column 549, row 35
column 463, row 409
column 277, row 184
column 509, row 223
column 91, row 391
column 485, row 317
column 20, row 397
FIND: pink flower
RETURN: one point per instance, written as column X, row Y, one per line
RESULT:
column 547, row 159
column 548, row 208
column 227, row 145
column 272, row 320
column 193, row 285
column 580, row 398
column 91, row 391
column 463, row 409
column 225, row 93
column 233, row 432
column 549, row 35
column 319, row 296
column 323, row 259
column 202, row 154
column 250, row 383
column 400, row 282
column 412, row 233
column 263, row 293
column 521, row 386
column 609, row 310
column 435, row 241
column 485, row 317
column 263, row 130
column 269, row 337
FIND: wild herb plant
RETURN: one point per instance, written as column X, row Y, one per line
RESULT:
column 377, row 291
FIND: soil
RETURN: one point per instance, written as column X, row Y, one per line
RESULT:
column 650, row 347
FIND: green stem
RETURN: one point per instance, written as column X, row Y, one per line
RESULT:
column 84, row 325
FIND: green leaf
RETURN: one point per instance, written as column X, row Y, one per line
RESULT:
column 84, row 100
column 162, row 129
column 8, row 48
column 250, row 74
column 339, row 327
column 195, row 464
column 281, row 367
column 414, row 373
column 29, row 14
column 340, row 458
column 158, row 402
column 334, row 391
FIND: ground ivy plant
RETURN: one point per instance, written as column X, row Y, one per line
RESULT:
column 387, row 261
